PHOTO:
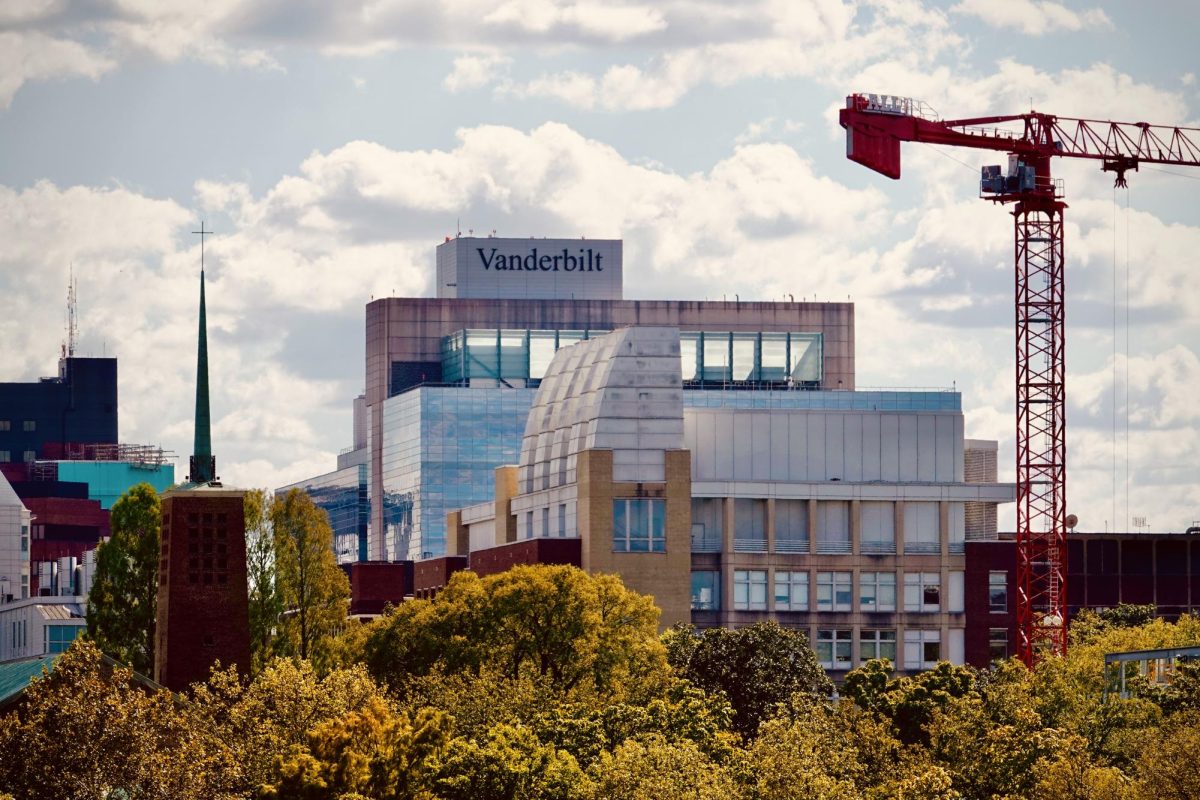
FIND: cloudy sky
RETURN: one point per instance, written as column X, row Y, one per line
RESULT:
column 332, row 145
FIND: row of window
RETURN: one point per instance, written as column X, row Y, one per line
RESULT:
column 26, row 425
column 26, row 456
column 834, row 647
column 877, row 591
column 831, row 526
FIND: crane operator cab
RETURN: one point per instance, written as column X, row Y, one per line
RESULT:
column 1020, row 177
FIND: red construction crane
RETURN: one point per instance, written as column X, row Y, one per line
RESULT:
column 875, row 126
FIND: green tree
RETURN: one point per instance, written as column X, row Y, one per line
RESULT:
column 651, row 768
column 1167, row 769
column 577, row 633
column 509, row 763
column 756, row 667
column 265, row 605
column 123, row 601
column 372, row 752
column 312, row 589
column 88, row 732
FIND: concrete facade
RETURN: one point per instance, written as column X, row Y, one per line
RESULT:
column 14, row 545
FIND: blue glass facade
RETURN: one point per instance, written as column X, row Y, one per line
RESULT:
column 441, row 446
column 343, row 496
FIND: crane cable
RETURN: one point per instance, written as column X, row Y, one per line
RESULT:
column 1114, row 361
column 1127, row 332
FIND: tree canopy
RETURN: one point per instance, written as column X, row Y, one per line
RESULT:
column 123, row 601
column 584, row 704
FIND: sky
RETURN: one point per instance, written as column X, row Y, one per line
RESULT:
column 331, row 146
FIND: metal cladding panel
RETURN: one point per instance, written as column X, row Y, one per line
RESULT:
column 798, row 460
column 835, row 446
column 889, row 445
column 743, row 456
column 852, row 467
column 816, row 447
column 871, row 449
column 760, row 450
column 780, row 437
column 549, row 269
column 926, row 448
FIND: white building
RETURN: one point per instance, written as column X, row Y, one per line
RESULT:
column 14, row 545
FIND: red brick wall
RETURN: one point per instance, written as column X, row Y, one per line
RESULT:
column 526, row 551
column 203, row 613
column 431, row 575
column 374, row 584
column 983, row 557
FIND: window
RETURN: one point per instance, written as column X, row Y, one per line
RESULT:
column 749, row 525
column 922, row 591
column 29, row 455
column 998, row 644
column 921, row 528
column 791, row 526
column 59, row 637
column 878, row 527
column 5, row 425
column 29, row 425
column 998, row 592
column 922, row 649
column 708, row 517
column 5, row 456
column 877, row 644
column 24, row 544
column 833, row 526
column 528, row 524
column 562, row 519
column 750, row 590
column 877, row 591
column 834, row 591
column 545, row 521
column 639, row 526
column 706, row 590
column 833, row 648
column 791, row 591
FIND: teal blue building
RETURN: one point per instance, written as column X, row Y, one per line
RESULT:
column 108, row 480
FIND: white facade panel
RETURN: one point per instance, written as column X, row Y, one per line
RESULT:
column 906, row 468
column 853, row 443
column 835, row 446
column 926, row 448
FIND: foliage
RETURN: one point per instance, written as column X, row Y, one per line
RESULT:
column 756, row 667
column 651, row 768
column 578, row 633
column 276, row 711
column 373, row 752
column 312, row 589
column 1167, row 768
column 509, row 763
column 909, row 703
column 87, row 731
column 123, row 601
column 265, row 605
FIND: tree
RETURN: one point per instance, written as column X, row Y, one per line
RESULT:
column 265, row 606
column 313, row 590
column 574, row 632
column 123, row 601
column 509, row 763
column 88, row 731
column 651, row 768
column 756, row 667
column 373, row 752
column 1167, row 768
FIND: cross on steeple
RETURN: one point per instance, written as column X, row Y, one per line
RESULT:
column 203, row 463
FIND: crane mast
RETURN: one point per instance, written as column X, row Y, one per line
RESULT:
column 875, row 126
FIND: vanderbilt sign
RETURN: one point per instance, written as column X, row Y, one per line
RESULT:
column 585, row 260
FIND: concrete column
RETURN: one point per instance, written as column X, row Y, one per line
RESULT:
column 855, row 527
column 899, row 526
column 506, row 490
column 770, row 524
column 727, row 525
column 458, row 537
column 944, row 528
column 812, row 526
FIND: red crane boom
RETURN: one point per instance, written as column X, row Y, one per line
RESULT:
column 875, row 126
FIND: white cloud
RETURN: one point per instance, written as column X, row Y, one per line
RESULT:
column 474, row 71
column 35, row 56
column 1033, row 17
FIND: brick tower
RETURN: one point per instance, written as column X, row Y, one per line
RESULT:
column 203, row 612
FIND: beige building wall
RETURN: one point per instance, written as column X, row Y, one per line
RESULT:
column 665, row 576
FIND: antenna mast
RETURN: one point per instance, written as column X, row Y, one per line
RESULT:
column 68, row 348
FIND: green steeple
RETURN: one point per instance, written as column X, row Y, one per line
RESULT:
column 203, row 463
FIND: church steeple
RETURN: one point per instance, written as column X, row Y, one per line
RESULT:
column 203, row 467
